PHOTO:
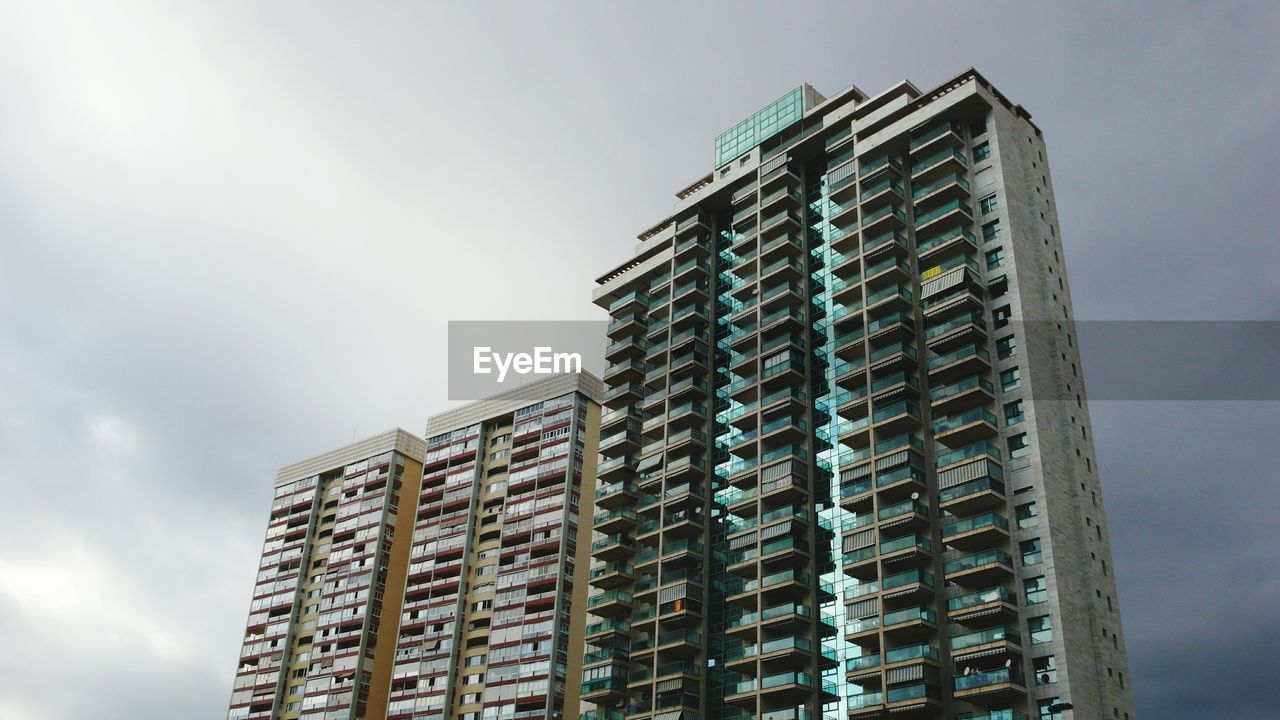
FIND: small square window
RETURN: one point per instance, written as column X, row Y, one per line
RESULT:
column 1031, row 553
column 1000, row 316
column 1041, row 629
column 1046, row 670
column 1026, row 515
column 1006, row 347
column 1018, row 446
column 1010, row 379
column 981, row 151
column 991, row 231
column 1014, row 413
column 995, row 258
column 989, row 204
column 1036, row 590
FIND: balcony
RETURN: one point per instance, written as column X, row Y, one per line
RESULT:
column 967, row 360
column 896, row 418
column 947, row 160
column 946, row 134
column 910, row 549
column 887, row 218
column 949, row 214
column 870, row 167
column 962, row 394
column 609, row 604
column 980, row 569
column 608, row 630
column 608, row 690
column 875, row 248
column 976, row 450
column 894, row 297
column 973, row 495
column 617, row 397
column 615, row 520
column 908, row 513
column 863, row 669
column 948, row 243
column 613, row 547
column 998, row 685
column 949, row 187
column 976, row 531
column 616, row 468
column 611, row 575
column 986, row 642
column 625, row 325
column 982, row 605
column 612, row 495
column 911, row 654
column 965, row 428
column 912, row 622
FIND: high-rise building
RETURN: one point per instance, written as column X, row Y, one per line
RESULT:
column 846, row 465
column 317, row 643
column 494, row 606
column 430, row 580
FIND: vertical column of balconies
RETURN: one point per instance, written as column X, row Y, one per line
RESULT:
column 527, row 651
column 349, row 612
column 607, row 663
column 283, row 569
column 983, row 646
column 774, row 595
column 429, row 619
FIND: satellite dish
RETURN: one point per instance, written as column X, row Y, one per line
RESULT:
column 1008, row 663
column 915, row 496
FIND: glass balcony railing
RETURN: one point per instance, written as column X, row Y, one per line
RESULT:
column 936, row 158
column 957, row 355
column 939, row 131
column 978, row 559
column 903, row 407
column 948, row 424
column 973, row 487
column 985, row 637
column 911, row 614
column 988, row 678
column 977, row 449
column 905, row 507
column 981, row 597
column 957, row 178
column 904, row 693
column 861, row 701
column 955, row 388
column 865, row 662
column 913, row 540
column 946, row 237
column 911, row 652
column 909, row 577
column 977, row 522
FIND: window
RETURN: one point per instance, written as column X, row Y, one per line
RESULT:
column 981, row 151
column 978, row 127
column 499, row 454
column 1026, row 515
column 1036, row 591
column 1000, row 316
column 1006, row 347
column 991, row 231
column 989, row 204
column 500, row 440
column 995, row 258
column 1018, row 446
column 1013, row 413
column 1010, row 379
column 1045, row 712
column 1031, row 554
column 1041, row 629
column 1046, row 670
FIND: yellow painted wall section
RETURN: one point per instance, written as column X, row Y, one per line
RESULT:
column 393, row 592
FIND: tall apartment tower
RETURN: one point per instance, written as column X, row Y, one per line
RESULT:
column 494, row 602
column 318, row 643
column 431, row 580
column 846, row 468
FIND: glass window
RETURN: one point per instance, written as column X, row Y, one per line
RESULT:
column 1001, row 315
column 1045, row 712
column 1031, row 554
column 1041, row 628
column 995, row 258
column 978, row 127
column 1026, row 515
column 1036, row 590
column 1006, row 347
column 991, row 231
column 1013, row 413
column 981, row 151
column 1018, row 446
column 989, row 204
column 1046, row 670
column 1010, row 379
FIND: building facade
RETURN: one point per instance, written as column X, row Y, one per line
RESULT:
column 846, row 468
column 430, row 580
column 496, row 583
column 316, row 643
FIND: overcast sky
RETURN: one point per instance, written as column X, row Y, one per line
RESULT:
column 231, row 236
